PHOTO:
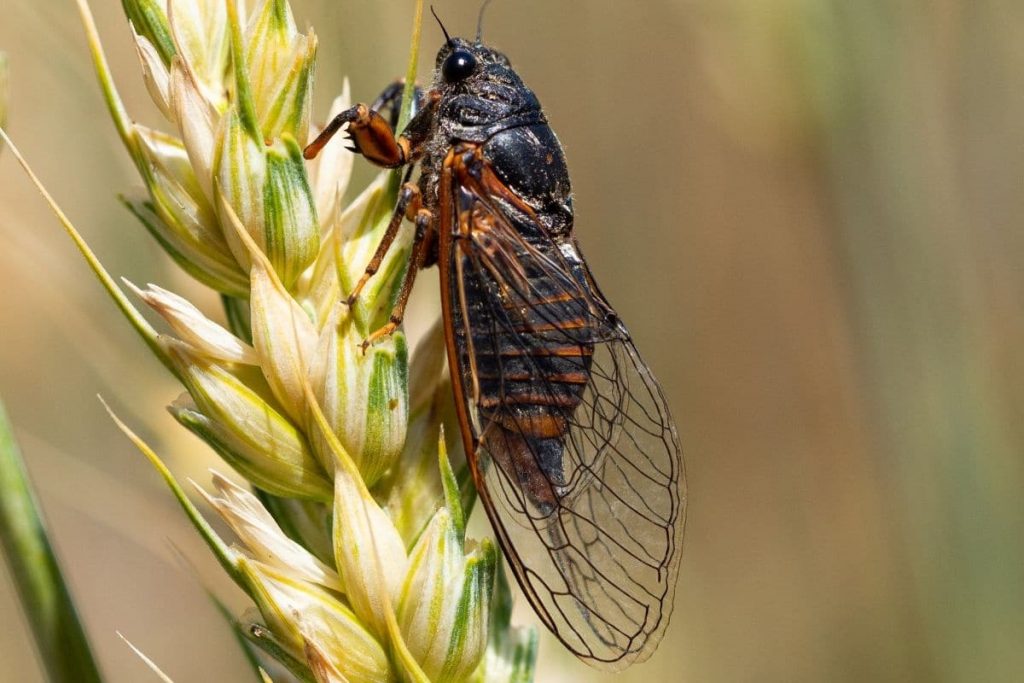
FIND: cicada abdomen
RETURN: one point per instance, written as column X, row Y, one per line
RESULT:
column 527, row 341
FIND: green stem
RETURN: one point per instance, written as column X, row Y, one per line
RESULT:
column 410, row 72
column 408, row 93
column 62, row 643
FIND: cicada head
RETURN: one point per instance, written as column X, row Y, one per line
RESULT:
column 479, row 88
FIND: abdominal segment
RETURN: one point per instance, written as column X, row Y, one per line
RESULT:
column 530, row 367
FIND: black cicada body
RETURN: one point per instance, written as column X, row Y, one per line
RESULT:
column 567, row 433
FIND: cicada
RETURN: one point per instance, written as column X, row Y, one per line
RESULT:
column 567, row 433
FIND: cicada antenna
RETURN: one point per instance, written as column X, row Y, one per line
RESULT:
column 480, row 21
column 441, row 24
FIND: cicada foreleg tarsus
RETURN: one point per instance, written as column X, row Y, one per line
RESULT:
column 370, row 134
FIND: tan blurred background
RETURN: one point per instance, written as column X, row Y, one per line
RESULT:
column 810, row 213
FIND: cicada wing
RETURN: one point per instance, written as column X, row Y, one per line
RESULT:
column 575, row 455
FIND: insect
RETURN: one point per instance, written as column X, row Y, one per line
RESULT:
column 568, row 436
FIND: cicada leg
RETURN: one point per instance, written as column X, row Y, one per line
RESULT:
column 371, row 135
column 421, row 247
column 408, row 206
column 389, row 102
column 374, row 137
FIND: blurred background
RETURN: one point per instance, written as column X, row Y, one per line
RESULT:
column 810, row 213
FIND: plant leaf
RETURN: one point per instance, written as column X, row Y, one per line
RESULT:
column 62, row 643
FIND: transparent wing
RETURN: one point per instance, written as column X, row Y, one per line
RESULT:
column 576, row 457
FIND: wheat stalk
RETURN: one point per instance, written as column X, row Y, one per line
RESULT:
column 352, row 542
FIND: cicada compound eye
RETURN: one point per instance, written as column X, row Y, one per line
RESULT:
column 458, row 66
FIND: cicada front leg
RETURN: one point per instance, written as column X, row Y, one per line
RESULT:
column 389, row 102
column 371, row 135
